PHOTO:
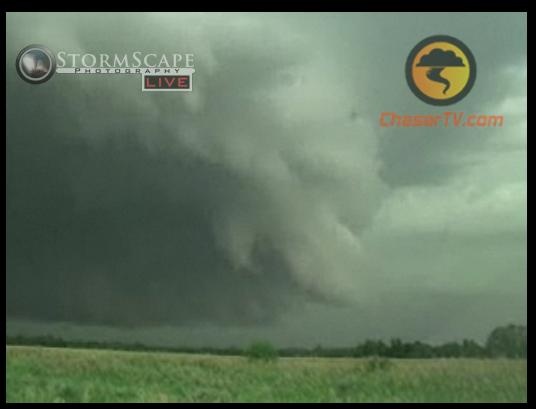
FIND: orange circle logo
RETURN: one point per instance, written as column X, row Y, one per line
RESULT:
column 440, row 70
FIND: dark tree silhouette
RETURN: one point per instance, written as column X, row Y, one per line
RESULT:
column 508, row 341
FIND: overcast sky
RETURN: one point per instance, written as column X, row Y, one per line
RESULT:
column 267, row 203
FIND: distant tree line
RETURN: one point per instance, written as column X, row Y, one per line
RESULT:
column 508, row 341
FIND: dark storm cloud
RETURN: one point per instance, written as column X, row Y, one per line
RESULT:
column 133, row 209
column 111, row 233
column 133, row 254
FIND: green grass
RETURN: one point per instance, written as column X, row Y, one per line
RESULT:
column 37, row 374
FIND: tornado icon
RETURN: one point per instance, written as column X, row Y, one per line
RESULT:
column 436, row 61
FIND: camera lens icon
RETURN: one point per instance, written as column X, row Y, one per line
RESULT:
column 36, row 64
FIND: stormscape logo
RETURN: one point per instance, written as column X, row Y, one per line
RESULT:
column 159, row 72
column 440, row 70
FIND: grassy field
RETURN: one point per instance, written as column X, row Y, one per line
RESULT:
column 37, row 374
